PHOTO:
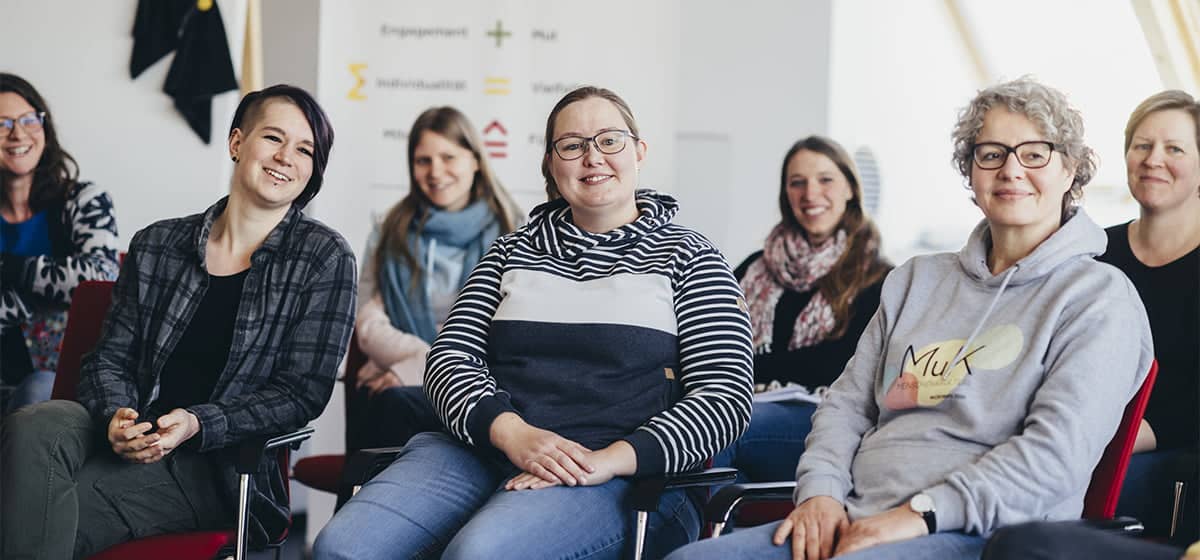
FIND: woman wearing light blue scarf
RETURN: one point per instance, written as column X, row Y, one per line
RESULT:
column 417, row 260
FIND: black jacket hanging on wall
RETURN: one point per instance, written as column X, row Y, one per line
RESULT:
column 202, row 66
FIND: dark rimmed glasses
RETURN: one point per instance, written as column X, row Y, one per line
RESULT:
column 1034, row 154
column 30, row 122
column 608, row 142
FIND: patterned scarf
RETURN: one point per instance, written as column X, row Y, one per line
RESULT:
column 790, row 263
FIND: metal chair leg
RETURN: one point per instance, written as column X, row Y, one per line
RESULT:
column 640, row 542
column 1177, row 508
column 716, row 530
column 243, row 514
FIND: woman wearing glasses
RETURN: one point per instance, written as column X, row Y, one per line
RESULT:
column 990, row 381
column 1160, row 252
column 597, row 342
column 418, row 260
column 811, row 292
column 55, row 231
column 225, row 326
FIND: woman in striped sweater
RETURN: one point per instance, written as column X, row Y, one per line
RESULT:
column 596, row 343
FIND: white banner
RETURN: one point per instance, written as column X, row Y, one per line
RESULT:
column 504, row 64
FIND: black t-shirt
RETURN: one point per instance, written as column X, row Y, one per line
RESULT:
column 1171, row 294
column 192, row 371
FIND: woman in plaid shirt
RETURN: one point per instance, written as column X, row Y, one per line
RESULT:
column 225, row 325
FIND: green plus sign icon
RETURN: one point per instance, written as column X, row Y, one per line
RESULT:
column 499, row 33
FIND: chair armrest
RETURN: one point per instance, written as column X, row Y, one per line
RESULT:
column 647, row 491
column 722, row 504
column 251, row 451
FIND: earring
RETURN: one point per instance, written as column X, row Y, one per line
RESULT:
column 234, row 158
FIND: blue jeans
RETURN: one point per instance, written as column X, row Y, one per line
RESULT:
column 440, row 497
column 35, row 388
column 1148, row 493
column 755, row 543
column 771, row 446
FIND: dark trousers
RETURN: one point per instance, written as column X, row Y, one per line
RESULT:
column 391, row 417
column 1071, row 540
column 67, row 495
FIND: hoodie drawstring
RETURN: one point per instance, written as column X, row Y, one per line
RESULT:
column 978, row 326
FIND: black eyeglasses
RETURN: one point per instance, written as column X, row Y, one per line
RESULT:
column 31, row 122
column 1034, row 154
column 608, row 142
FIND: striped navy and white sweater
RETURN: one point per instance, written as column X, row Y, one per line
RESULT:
column 637, row 334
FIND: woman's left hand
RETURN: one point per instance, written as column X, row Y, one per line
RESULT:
column 896, row 524
column 174, row 428
column 615, row 460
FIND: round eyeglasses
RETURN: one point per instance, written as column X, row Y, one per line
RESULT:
column 1034, row 154
column 608, row 142
column 30, row 122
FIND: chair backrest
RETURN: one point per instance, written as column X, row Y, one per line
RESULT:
column 354, row 409
column 89, row 303
column 1100, row 503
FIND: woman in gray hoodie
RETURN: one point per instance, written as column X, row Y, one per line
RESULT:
column 989, row 382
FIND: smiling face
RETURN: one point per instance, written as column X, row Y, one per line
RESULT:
column 20, row 149
column 1013, row 196
column 817, row 193
column 599, row 187
column 444, row 171
column 1163, row 163
column 274, row 155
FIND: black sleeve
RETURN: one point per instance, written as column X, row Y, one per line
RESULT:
column 740, row 271
column 822, row 363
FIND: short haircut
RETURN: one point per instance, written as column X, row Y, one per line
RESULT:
column 1163, row 101
column 247, row 114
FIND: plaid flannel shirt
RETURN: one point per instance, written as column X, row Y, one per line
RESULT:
column 292, row 328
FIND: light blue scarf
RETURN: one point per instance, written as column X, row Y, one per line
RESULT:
column 407, row 303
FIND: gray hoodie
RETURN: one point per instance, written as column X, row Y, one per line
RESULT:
column 1055, row 347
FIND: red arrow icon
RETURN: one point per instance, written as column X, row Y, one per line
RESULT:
column 495, row 125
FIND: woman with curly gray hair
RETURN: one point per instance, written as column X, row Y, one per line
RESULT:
column 988, row 383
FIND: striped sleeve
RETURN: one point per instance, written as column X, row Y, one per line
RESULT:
column 717, row 373
column 457, row 380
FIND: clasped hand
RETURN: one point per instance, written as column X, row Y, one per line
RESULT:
column 819, row 529
column 549, row 459
column 130, row 441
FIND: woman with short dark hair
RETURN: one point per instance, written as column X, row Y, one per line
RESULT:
column 225, row 326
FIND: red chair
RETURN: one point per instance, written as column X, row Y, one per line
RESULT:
column 324, row 472
column 1099, row 504
column 89, row 304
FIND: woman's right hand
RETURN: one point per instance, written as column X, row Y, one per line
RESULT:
column 539, row 452
column 376, row 379
column 127, row 438
column 814, row 527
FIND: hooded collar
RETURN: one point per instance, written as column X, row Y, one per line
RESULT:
column 271, row 244
column 1079, row 237
column 552, row 230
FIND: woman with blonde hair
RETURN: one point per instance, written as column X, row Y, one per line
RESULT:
column 417, row 260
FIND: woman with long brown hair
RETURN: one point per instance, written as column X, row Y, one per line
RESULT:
column 55, row 232
column 811, row 291
column 417, row 261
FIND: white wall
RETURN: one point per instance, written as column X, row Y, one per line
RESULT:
column 125, row 134
column 753, row 79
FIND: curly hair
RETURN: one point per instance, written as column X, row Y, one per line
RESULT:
column 1048, row 110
